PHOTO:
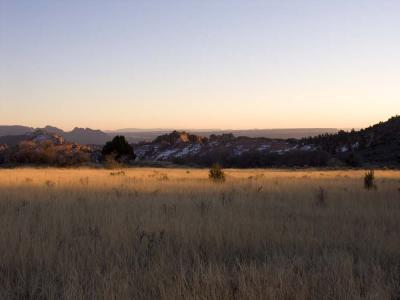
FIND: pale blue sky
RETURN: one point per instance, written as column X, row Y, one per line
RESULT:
column 199, row 64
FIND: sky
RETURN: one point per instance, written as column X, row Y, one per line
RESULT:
column 199, row 64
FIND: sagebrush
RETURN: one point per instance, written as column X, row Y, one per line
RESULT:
column 216, row 173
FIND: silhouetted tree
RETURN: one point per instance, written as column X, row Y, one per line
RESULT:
column 120, row 148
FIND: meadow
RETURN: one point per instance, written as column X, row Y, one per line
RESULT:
column 174, row 234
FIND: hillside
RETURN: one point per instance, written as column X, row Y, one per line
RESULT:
column 378, row 145
column 43, row 148
column 230, row 151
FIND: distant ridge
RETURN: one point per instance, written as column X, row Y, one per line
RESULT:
column 378, row 145
column 290, row 133
column 14, row 130
column 87, row 136
column 123, row 130
column 84, row 136
column 375, row 146
column 52, row 129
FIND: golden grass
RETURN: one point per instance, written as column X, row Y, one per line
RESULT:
column 174, row 234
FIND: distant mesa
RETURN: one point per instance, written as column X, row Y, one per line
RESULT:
column 52, row 129
column 14, row 130
column 85, row 136
column 177, row 137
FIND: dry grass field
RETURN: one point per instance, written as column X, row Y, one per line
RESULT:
column 174, row 234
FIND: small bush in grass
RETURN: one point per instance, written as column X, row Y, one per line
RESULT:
column 84, row 181
column 321, row 197
column 163, row 177
column 50, row 183
column 369, row 180
column 119, row 173
column 216, row 173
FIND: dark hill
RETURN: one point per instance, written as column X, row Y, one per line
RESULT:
column 377, row 144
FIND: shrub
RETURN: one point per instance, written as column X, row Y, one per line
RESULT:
column 50, row 183
column 369, row 180
column 216, row 173
column 321, row 197
column 119, row 173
